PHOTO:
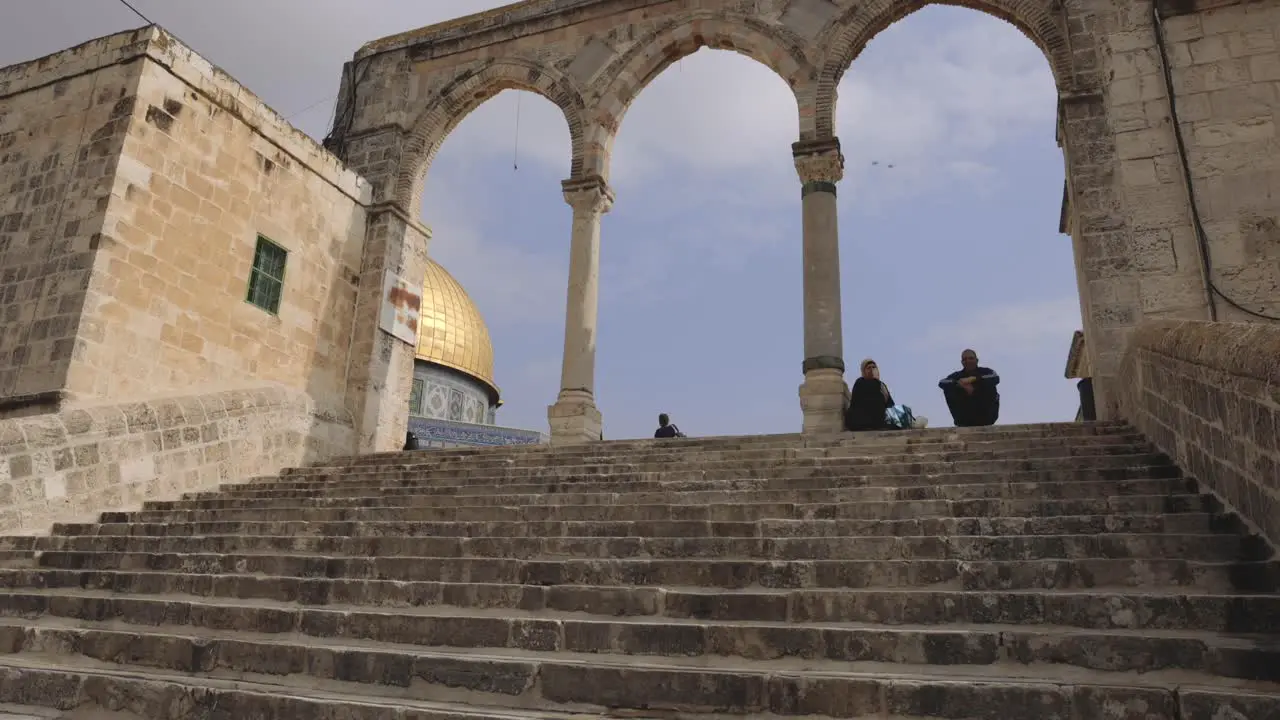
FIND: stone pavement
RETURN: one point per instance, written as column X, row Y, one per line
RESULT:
column 1055, row 572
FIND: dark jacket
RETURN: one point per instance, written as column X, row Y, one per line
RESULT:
column 667, row 431
column 986, row 386
column 868, row 400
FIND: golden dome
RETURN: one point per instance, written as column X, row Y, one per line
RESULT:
column 451, row 331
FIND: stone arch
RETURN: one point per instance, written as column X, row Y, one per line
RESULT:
column 630, row 72
column 456, row 100
column 1042, row 21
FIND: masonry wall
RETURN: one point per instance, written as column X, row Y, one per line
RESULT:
column 1226, row 74
column 63, row 120
column 1208, row 394
column 204, row 170
column 136, row 180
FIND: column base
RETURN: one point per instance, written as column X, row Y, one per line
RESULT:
column 574, row 419
column 823, row 399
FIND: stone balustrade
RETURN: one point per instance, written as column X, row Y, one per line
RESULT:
column 1208, row 394
column 71, row 465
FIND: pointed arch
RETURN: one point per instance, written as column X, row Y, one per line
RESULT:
column 468, row 91
column 1044, row 22
column 630, row 72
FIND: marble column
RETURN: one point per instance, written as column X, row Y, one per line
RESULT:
column 574, row 417
column 824, row 395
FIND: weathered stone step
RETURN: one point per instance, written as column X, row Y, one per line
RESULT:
column 307, row 552
column 583, row 681
column 867, row 510
column 868, row 439
column 96, row 693
column 421, row 483
column 94, row 687
column 1111, row 592
column 1251, row 657
column 945, row 491
column 761, row 460
column 722, row 573
column 676, row 453
column 1191, row 522
column 906, row 466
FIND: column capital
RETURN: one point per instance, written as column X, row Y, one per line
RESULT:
column 588, row 195
column 819, row 161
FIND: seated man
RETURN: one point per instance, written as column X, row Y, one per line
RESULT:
column 666, row 429
column 971, row 393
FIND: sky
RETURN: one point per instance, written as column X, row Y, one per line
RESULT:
column 956, row 245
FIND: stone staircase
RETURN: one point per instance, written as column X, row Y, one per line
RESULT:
column 1048, row 572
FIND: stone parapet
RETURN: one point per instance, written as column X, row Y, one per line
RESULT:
column 71, row 465
column 157, row 45
column 1208, row 394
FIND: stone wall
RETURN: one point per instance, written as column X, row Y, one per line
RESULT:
column 69, row 466
column 138, row 179
column 204, row 170
column 1208, row 394
column 1225, row 64
column 63, row 121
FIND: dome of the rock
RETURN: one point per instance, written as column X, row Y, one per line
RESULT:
column 454, row 402
column 451, row 331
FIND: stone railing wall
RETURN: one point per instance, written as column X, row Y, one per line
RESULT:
column 1208, row 394
column 72, row 465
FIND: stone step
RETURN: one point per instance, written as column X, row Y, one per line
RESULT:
column 902, row 466
column 94, row 689
column 675, row 453
column 850, row 447
column 947, row 491
column 1214, row 596
column 278, row 552
column 760, row 459
column 98, row 693
column 1251, row 657
column 726, row 443
column 1191, row 522
column 722, row 573
column 691, row 480
column 866, row 510
column 579, row 681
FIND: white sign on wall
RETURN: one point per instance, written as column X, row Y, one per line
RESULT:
column 401, row 305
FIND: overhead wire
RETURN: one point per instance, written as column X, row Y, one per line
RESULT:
column 137, row 12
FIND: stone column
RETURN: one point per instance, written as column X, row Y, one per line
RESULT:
column 824, row 395
column 574, row 417
column 380, row 374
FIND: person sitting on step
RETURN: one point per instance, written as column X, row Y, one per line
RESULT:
column 971, row 393
column 666, row 429
column 871, row 405
column 868, row 400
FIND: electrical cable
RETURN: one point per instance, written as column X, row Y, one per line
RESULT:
column 1201, row 236
column 137, row 12
column 515, row 160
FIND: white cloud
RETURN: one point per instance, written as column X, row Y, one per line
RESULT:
column 1006, row 330
column 506, row 275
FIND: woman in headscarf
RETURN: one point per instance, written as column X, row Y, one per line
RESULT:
column 868, row 399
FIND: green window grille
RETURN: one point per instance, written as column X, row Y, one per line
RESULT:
column 266, row 279
column 415, row 398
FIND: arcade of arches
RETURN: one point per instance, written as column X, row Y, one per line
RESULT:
column 1126, row 204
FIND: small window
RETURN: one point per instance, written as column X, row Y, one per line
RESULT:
column 415, row 398
column 266, row 279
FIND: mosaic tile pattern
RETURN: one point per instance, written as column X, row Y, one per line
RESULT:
column 444, row 433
